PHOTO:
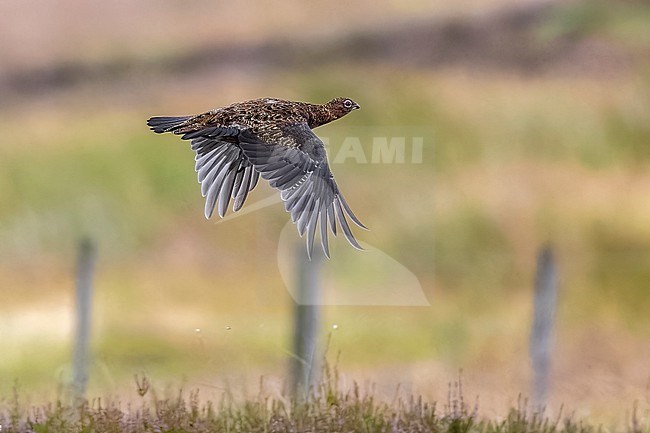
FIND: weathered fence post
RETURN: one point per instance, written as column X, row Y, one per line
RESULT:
column 546, row 281
column 84, row 293
column 304, row 363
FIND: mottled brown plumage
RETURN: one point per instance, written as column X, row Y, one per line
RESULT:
column 271, row 138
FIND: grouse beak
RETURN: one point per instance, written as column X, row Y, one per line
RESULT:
column 356, row 106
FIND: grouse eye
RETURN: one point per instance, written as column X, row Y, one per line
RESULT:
column 347, row 103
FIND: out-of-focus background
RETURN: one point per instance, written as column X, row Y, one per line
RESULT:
column 538, row 120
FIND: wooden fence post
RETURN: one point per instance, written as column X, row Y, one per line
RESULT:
column 304, row 363
column 546, row 281
column 84, row 294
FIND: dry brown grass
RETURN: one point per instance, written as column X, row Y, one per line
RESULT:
column 34, row 33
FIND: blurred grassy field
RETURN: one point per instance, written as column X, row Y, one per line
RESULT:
column 511, row 162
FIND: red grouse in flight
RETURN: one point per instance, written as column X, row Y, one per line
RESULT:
column 272, row 138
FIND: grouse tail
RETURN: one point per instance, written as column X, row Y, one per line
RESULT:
column 160, row 124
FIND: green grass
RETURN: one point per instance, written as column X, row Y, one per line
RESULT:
column 622, row 21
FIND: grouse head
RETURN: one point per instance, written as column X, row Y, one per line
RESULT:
column 339, row 107
column 330, row 111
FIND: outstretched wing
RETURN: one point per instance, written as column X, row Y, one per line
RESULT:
column 223, row 170
column 305, row 181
